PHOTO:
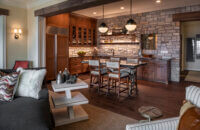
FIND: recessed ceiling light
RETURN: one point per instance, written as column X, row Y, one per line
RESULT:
column 94, row 12
column 158, row 1
column 122, row 7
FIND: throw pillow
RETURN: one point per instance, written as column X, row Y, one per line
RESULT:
column 185, row 107
column 7, row 86
column 30, row 83
column 190, row 120
column 186, row 112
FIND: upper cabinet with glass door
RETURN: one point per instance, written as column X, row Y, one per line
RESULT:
column 82, row 31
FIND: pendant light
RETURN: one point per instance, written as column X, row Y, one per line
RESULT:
column 103, row 27
column 131, row 24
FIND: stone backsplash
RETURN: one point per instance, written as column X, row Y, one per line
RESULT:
column 159, row 22
column 73, row 51
column 120, row 50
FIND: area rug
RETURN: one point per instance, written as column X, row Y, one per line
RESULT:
column 193, row 76
column 100, row 119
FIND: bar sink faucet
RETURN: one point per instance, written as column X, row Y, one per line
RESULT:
column 113, row 52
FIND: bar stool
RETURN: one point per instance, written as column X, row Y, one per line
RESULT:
column 114, row 59
column 122, row 78
column 96, row 73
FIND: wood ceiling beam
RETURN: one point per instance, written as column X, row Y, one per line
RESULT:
column 70, row 6
column 188, row 16
column 4, row 11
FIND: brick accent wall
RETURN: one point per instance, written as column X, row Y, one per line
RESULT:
column 159, row 22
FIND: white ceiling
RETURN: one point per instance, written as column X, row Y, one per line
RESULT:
column 139, row 6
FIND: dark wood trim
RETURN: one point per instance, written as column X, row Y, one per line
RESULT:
column 4, row 11
column 188, row 16
column 82, row 46
column 124, row 43
column 70, row 6
column 80, row 15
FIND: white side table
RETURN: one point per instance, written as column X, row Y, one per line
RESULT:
column 69, row 103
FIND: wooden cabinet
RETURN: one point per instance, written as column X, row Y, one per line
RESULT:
column 161, row 72
column 82, row 31
column 56, row 54
column 66, row 30
column 75, row 65
column 155, row 70
column 57, row 48
column 50, row 56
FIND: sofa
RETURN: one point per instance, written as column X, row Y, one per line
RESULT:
column 24, row 113
column 192, row 95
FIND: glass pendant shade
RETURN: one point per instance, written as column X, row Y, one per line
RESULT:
column 103, row 28
column 130, row 25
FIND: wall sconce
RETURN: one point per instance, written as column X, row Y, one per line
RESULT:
column 17, row 33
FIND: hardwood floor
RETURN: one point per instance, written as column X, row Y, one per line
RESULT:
column 166, row 97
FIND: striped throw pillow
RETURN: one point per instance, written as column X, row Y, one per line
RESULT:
column 7, row 86
column 193, row 95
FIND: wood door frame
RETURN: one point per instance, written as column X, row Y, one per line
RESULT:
column 187, row 16
column 184, row 17
column 41, row 45
column 3, row 56
column 4, row 11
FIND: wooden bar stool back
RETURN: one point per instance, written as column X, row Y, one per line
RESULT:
column 131, row 60
column 96, row 74
column 114, row 59
column 118, row 78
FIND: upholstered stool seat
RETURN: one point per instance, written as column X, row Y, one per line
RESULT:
column 122, row 74
column 117, row 79
column 128, row 70
column 97, row 74
column 102, row 71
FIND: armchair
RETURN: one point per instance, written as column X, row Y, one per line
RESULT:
column 192, row 95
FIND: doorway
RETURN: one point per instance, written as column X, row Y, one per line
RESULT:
column 190, row 45
column 190, row 63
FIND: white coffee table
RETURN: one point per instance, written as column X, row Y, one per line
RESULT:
column 69, row 103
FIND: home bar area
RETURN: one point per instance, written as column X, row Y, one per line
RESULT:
column 146, row 44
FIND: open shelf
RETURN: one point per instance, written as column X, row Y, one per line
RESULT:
column 105, row 35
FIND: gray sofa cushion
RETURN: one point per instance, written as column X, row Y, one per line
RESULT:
column 25, row 113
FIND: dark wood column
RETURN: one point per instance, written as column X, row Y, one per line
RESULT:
column 4, row 11
column 69, row 6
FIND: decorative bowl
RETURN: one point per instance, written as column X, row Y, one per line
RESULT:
column 81, row 53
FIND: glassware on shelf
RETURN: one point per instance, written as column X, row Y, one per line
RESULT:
column 74, row 34
column 85, row 35
column 79, row 35
column 89, row 36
